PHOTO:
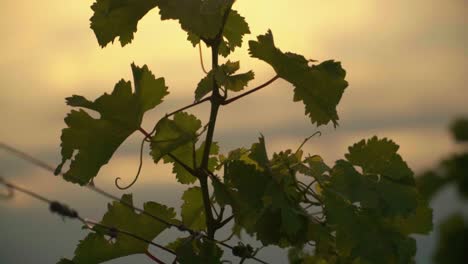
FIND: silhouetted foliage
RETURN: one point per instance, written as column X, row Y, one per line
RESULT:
column 452, row 245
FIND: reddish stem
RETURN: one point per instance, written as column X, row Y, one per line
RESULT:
column 154, row 258
column 251, row 91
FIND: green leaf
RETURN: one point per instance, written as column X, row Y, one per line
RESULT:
column 180, row 132
column 191, row 251
column 193, row 210
column 264, row 198
column 259, row 154
column 419, row 222
column 320, row 87
column 380, row 204
column 205, row 86
column 94, row 140
column 233, row 32
column 96, row 248
column 379, row 156
column 179, row 137
column 224, row 76
column 186, row 156
column 315, row 168
column 238, row 82
column 389, row 198
column 200, row 17
column 118, row 18
column 358, row 231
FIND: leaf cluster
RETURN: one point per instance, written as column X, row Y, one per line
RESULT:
column 362, row 209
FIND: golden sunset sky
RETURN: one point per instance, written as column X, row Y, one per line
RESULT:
column 406, row 64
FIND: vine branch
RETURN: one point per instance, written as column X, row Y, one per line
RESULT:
column 233, row 99
column 188, row 106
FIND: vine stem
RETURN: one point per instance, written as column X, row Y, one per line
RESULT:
column 226, row 102
column 188, row 106
column 154, row 258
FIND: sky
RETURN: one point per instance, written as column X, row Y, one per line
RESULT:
column 406, row 64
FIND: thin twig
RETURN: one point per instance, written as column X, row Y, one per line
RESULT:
column 188, row 106
column 225, row 221
column 226, row 102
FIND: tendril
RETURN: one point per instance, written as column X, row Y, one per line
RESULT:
column 307, row 139
column 201, row 58
column 140, row 165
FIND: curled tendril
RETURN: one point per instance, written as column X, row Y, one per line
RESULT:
column 307, row 139
column 10, row 192
column 201, row 58
column 140, row 165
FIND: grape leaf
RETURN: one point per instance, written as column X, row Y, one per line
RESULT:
column 389, row 198
column 315, row 168
column 180, row 132
column 264, row 198
column 379, row 156
column 179, row 137
column 224, row 76
column 234, row 30
column 419, row 222
column 193, row 210
column 121, row 113
column 96, row 248
column 380, row 204
column 190, row 251
column 118, row 18
column 185, row 155
column 358, row 230
column 203, row 18
column 320, row 87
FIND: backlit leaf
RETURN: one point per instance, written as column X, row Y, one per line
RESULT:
column 96, row 248
column 172, row 134
column 225, row 77
column 193, row 211
column 320, row 87
column 90, row 142
column 379, row 156
column 118, row 18
column 234, row 30
column 200, row 17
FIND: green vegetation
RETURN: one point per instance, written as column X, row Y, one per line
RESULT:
column 362, row 209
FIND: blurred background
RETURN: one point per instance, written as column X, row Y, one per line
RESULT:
column 406, row 63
